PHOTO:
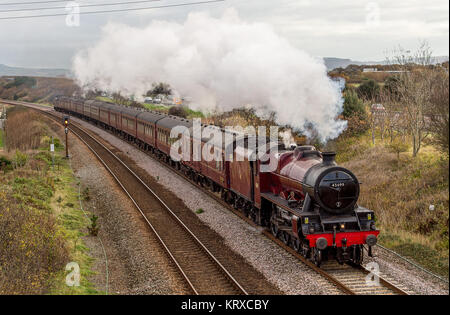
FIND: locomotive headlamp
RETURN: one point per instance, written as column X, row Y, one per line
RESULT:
column 342, row 225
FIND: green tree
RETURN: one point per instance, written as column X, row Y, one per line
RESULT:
column 398, row 146
column 353, row 105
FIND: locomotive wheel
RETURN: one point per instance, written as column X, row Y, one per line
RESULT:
column 274, row 229
column 295, row 243
column 285, row 237
column 317, row 256
column 358, row 255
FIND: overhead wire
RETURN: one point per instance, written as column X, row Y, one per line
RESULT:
column 80, row 6
column 113, row 11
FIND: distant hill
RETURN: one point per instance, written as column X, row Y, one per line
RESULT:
column 333, row 63
column 50, row 73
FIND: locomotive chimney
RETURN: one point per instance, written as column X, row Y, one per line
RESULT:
column 329, row 158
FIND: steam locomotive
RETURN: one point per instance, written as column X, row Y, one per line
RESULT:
column 308, row 201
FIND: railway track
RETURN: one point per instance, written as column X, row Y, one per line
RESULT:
column 345, row 279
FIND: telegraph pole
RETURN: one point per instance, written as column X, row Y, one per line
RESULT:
column 66, row 130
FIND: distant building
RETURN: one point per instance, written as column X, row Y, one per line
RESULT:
column 370, row 70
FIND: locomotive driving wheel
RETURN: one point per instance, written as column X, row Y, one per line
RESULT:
column 274, row 227
column 316, row 255
column 304, row 249
column 295, row 243
column 285, row 237
column 358, row 255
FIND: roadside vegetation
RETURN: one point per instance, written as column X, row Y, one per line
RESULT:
column 41, row 224
column 410, row 196
column 397, row 144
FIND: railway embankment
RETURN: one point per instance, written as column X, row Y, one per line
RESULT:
column 41, row 223
column 47, row 205
column 409, row 194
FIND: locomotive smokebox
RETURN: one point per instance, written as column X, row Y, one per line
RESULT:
column 334, row 188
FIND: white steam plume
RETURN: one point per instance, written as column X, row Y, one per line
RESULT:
column 222, row 63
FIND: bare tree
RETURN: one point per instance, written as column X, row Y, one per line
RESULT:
column 438, row 113
column 413, row 90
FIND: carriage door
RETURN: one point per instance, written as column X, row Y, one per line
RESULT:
column 256, row 192
column 252, row 179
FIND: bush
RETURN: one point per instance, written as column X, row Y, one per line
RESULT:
column 32, row 248
column 18, row 81
column 368, row 89
column 178, row 111
column 93, row 228
column 5, row 164
column 355, row 113
column 20, row 159
column 398, row 146
column 353, row 105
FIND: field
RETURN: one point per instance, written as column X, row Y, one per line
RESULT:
column 401, row 192
column 38, row 89
column 41, row 223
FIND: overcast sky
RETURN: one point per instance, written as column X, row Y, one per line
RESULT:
column 356, row 29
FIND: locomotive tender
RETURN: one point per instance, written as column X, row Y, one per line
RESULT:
column 308, row 202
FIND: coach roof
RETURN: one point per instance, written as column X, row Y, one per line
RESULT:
column 129, row 111
column 172, row 121
column 151, row 116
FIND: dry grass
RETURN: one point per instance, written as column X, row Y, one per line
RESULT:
column 401, row 192
column 24, row 130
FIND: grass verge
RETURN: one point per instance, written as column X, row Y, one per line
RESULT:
column 410, row 197
column 41, row 223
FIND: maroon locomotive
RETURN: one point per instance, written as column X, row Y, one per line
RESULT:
column 308, row 201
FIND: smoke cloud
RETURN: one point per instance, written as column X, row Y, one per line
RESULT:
column 221, row 63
